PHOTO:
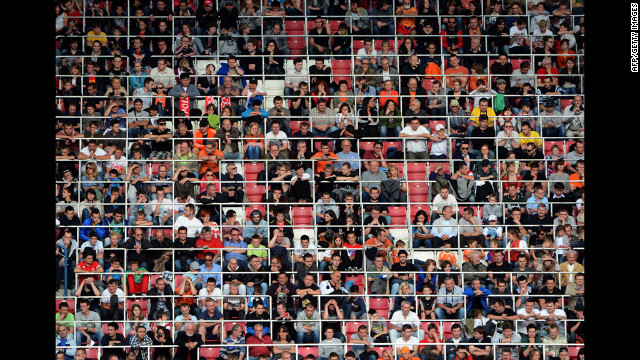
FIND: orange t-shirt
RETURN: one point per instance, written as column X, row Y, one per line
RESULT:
column 562, row 60
column 204, row 164
column 373, row 241
column 575, row 180
column 451, row 257
column 321, row 163
column 189, row 299
column 392, row 95
column 451, row 74
column 467, row 254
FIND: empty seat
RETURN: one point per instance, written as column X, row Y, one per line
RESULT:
column 255, row 192
column 398, row 215
column 306, row 350
column 340, row 66
column 302, row 215
column 209, row 353
column 357, row 45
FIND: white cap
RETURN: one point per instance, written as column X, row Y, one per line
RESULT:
column 493, row 218
column 439, row 127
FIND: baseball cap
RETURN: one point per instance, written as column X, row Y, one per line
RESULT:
column 204, row 122
column 439, row 127
column 493, row 218
column 195, row 265
column 501, row 81
column 184, row 76
column 208, row 2
column 253, row 81
column 485, row 162
column 454, row 102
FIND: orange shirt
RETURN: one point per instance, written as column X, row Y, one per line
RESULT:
column 450, row 256
column 198, row 135
column 372, row 241
column 562, row 60
column 321, row 163
column 391, row 95
column 474, row 78
column 467, row 254
column 204, row 164
column 406, row 20
column 451, row 72
column 189, row 299
column 575, row 180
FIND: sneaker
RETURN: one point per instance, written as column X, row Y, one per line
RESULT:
column 91, row 343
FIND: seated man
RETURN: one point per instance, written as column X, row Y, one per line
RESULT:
column 451, row 303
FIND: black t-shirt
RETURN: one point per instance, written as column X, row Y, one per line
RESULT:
column 370, row 219
column 164, row 145
column 370, row 205
column 325, row 184
column 307, row 299
column 506, row 310
column 397, row 268
column 298, row 112
column 499, row 271
column 350, row 184
column 320, row 38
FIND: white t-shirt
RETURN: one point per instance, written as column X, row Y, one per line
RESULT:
column 530, row 315
column 305, row 176
column 97, row 247
column 439, row 147
column 310, row 250
column 362, row 53
column 164, row 209
column 98, row 152
column 522, row 34
column 118, row 164
column 400, row 343
column 216, row 294
column 556, row 312
column 105, row 297
column 280, row 139
column 193, row 226
column 415, row 144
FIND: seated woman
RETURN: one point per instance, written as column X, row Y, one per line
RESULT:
column 405, row 294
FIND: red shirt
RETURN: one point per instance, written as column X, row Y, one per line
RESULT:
column 543, row 72
column 427, row 341
column 257, row 350
column 215, row 242
column 83, row 265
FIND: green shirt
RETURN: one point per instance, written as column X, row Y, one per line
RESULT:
column 260, row 253
column 68, row 320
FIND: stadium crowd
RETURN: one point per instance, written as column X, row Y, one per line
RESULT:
column 320, row 180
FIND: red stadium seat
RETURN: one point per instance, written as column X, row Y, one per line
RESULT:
column 357, row 45
column 348, row 79
column 334, row 24
column 249, row 209
column 209, row 353
column 433, row 123
column 446, row 327
column 317, row 145
column 306, row 350
column 366, row 145
column 341, row 67
column 427, row 84
column 352, row 327
column 573, row 352
column 549, row 144
column 152, row 280
column 296, row 45
column 71, row 302
column 398, row 215
column 418, row 188
column 228, row 325
column 255, row 192
column 290, row 25
column 92, row 353
column 357, row 279
column 302, row 215
column 142, row 302
column 388, row 144
column 295, row 126
column 120, row 328
column 380, row 349
column 177, row 281
column 516, row 63
column 425, row 324
column 253, row 167
column 565, row 102
column 416, row 167
column 377, row 44
column 445, row 165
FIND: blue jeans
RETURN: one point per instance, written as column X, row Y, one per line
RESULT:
column 554, row 132
column 418, row 242
column 253, row 152
column 321, row 12
column 384, row 131
column 250, row 289
column 157, row 220
column 134, row 132
column 178, row 264
column 97, row 337
column 343, row 51
column 571, row 91
column 308, row 337
column 231, row 155
column 389, row 30
column 441, row 314
column 318, row 133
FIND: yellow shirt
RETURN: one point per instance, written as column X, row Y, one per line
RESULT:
column 476, row 112
column 531, row 138
column 102, row 37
